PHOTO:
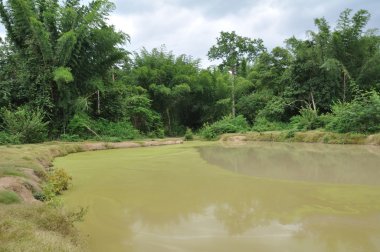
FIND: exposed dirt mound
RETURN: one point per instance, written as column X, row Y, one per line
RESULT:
column 19, row 186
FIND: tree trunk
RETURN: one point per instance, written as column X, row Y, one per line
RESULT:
column 98, row 107
column 169, row 122
column 233, row 92
column 313, row 101
column 344, row 87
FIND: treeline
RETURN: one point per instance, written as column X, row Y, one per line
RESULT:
column 64, row 74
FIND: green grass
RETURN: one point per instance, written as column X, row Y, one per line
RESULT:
column 37, row 228
column 9, row 197
column 10, row 171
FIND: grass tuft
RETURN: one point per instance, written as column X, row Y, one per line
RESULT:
column 9, row 197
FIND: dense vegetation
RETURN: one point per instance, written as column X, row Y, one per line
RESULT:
column 65, row 75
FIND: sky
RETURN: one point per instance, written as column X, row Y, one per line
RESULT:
column 191, row 26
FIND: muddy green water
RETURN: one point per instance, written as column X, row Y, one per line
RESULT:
column 201, row 197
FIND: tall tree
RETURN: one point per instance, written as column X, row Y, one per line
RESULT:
column 235, row 51
column 66, row 47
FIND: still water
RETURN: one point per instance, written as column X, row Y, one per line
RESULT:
column 210, row 197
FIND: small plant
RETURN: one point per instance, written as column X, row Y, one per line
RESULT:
column 362, row 115
column 56, row 182
column 6, row 138
column 262, row 124
column 307, row 120
column 228, row 124
column 60, row 180
column 25, row 125
column 70, row 138
column 189, row 135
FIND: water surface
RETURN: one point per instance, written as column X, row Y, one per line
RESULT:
column 202, row 197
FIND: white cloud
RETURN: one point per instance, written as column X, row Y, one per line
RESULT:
column 191, row 27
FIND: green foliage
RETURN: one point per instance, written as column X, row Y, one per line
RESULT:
column 232, row 49
column 9, row 197
column 138, row 109
column 250, row 106
column 307, row 120
column 70, row 138
column 274, row 110
column 6, row 138
column 59, row 179
column 80, row 125
column 56, row 182
column 63, row 75
column 362, row 115
column 27, row 125
column 189, row 135
column 122, row 130
column 64, row 58
column 262, row 124
column 101, row 129
column 54, row 43
column 227, row 124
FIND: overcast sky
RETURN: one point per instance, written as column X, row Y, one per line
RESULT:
column 191, row 26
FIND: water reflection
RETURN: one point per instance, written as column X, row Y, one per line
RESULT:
column 169, row 199
column 308, row 162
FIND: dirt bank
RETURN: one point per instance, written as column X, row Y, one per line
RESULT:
column 304, row 137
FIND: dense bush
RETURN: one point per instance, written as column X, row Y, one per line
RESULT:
column 227, row 124
column 262, row 124
column 250, row 105
column 25, row 125
column 307, row 120
column 84, row 127
column 274, row 110
column 6, row 138
column 56, row 182
column 362, row 115
column 189, row 134
column 122, row 129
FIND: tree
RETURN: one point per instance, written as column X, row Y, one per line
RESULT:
column 66, row 49
column 168, row 80
column 235, row 51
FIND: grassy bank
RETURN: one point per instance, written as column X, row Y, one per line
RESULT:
column 30, row 225
column 305, row 137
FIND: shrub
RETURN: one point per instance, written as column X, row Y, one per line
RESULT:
column 274, row 110
column 189, row 134
column 262, row 124
column 307, row 120
column 84, row 127
column 362, row 115
column 70, row 138
column 123, row 129
column 6, row 138
column 27, row 125
column 228, row 124
column 57, row 181
column 250, row 105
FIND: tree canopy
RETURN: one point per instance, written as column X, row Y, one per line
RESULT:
column 64, row 69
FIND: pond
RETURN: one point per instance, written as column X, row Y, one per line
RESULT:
column 213, row 197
